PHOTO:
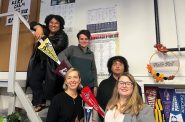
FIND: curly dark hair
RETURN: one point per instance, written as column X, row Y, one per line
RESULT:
column 57, row 17
column 121, row 59
column 85, row 32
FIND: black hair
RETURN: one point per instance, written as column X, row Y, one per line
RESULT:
column 85, row 32
column 121, row 59
column 57, row 17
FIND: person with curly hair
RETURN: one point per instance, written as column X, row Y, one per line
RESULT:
column 116, row 65
column 45, row 84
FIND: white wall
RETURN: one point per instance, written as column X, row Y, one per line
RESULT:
column 136, row 27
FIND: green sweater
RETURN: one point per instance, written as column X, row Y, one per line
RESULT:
column 75, row 57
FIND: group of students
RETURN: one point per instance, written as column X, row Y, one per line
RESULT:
column 119, row 95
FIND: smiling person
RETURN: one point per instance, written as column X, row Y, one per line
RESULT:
column 67, row 106
column 126, row 105
column 45, row 84
column 116, row 65
column 82, row 58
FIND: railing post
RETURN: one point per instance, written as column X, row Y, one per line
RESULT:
column 32, row 115
column 13, row 62
column 13, row 87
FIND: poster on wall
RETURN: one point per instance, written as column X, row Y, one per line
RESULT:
column 59, row 2
column 64, row 9
column 104, row 46
column 102, row 20
column 21, row 6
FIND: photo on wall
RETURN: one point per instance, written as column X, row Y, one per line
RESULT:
column 59, row 2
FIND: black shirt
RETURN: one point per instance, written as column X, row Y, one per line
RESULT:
column 105, row 90
column 64, row 108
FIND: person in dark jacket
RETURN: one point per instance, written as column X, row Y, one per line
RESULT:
column 45, row 84
column 82, row 58
column 116, row 65
column 67, row 106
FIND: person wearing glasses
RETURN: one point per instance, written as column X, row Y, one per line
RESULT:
column 116, row 65
column 126, row 105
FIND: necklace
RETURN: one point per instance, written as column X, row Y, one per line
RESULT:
column 73, row 96
column 74, row 101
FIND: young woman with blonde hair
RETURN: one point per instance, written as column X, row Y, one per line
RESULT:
column 126, row 105
column 67, row 106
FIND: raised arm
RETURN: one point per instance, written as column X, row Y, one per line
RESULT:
column 38, row 30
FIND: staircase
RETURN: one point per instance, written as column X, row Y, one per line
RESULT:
column 18, row 106
column 13, row 83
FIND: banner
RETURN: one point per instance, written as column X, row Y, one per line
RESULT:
column 88, row 114
column 158, row 112
column 180, row 93
column 48, row 49
column 166, row 97
column 89, row 98
column 62, row 69
column 175, row 114
column 150, row 95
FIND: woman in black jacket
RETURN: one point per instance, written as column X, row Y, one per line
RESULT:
column 41, row 78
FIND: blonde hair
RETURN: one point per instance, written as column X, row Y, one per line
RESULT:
column 67, row 74
column 133, row 104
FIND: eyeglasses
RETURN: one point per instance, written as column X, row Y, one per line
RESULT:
column 125, row 83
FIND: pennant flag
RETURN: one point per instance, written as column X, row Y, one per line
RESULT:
column 88, row 114
column 180, row 93
column 89, row 98
column 166, row 97
column 48, row 49
column 158, row 112
column 151, row 95
column 175, row 114
column 62, row 69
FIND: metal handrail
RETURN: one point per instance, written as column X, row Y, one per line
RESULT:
column 13, row 86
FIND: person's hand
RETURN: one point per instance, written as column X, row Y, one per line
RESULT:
column 93, row 120
column 39, row 33
column 95, row 91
